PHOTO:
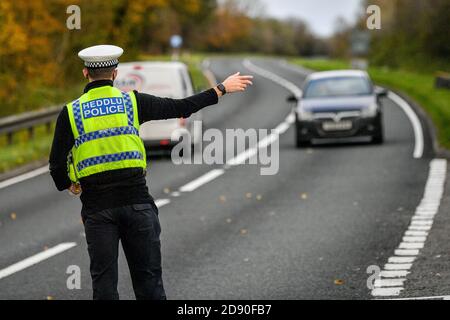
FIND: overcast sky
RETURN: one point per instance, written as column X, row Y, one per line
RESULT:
column 320, row 15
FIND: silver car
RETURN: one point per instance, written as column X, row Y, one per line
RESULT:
column 163, row 79
column 338, row 104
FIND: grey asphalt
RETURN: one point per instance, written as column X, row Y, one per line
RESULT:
column 311, row 233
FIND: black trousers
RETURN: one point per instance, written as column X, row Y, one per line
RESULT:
column 138, row 228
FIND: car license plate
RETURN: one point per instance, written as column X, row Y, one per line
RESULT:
column 337, row 126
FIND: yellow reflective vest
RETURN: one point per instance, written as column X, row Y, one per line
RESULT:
column 105, row 126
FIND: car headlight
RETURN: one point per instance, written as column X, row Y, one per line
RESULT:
column 305, row 115
column 370, row 111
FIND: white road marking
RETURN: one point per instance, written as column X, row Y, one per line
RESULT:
column 406, row 252
column 162, row 202
column 273, row 77
column 23, row 177
column 385, row 292
column 19, row 266
column 414, row 119
column 414, row 239
column 388, row 283
column 424, row 298
column 398, row 266
column 401, row 259
column 393, row 274
column 417, row 233
column 419, row 228
column 204, row 179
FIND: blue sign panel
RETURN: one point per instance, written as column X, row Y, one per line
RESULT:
column 102, row 107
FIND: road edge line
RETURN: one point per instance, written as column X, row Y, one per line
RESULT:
column 411, row 246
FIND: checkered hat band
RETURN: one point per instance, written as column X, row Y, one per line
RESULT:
column 111, row 132
column 130, row 155
column 102, row 64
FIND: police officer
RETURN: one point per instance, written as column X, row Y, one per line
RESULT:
column 99, row 134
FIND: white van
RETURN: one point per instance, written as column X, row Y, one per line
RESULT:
column 162, row 79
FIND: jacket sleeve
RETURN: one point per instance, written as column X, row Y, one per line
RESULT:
column 155, row 108
column 63, row 142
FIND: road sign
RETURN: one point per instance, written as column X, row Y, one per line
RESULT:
column 360, row 43
column 176, row 41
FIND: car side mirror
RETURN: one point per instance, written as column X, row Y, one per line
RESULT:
column 381, row 93
column 292, row 99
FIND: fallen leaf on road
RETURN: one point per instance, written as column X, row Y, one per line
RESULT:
column 166, row 190
column 248, row 195
column 50, row 298
column 244, row 231
column 259, row 197
column 222, row 199
column 304, row 196
column 13, row 216
column 338, row 282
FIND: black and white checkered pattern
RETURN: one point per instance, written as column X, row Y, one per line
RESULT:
column 102, row 64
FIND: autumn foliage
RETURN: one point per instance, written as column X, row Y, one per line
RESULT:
column 38, row 62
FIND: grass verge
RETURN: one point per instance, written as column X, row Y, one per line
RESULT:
column 24, row 150
column 418, row 86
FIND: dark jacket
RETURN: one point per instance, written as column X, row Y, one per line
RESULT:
column 119, row 187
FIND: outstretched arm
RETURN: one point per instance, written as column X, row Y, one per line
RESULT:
column 235, row 83
column 155, row 108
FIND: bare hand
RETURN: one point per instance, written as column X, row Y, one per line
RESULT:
column 75, row 189
column 237, row 83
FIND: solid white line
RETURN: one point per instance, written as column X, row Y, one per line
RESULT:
column 425, row 298
column 19, row 266
column 161, row 202
column 414, row 119
column 23, row 177
column 204, row 179
column 274, row 77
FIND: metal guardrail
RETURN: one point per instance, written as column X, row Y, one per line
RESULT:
column 443, row 80
column 28, row 121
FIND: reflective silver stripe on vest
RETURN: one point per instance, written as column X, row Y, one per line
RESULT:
column 130, row 155
column 111, row 132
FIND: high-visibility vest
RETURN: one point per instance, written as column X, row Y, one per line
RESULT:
column 105, row 126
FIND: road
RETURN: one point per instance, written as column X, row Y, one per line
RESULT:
column 309, row 232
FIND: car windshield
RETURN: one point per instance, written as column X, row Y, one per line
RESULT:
column 338, row 87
